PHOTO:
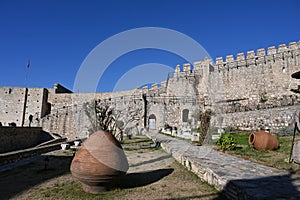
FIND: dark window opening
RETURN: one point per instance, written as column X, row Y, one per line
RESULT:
column 185, row 115
column 10, row 90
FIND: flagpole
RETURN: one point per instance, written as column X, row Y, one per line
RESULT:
column 26, row 93
column 27, row 72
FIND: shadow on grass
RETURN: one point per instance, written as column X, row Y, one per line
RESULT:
column 21, row 178
column 271, row 187
column 24, row 177
column 140, row 179
column 203, row 196
column 127, row 142
column 152, row 160
column 134, row 180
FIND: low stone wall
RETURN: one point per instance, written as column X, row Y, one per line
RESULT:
column 273, row 118
column 16, row 138
column 188, row 135
column 14, row 156
column 11, row 157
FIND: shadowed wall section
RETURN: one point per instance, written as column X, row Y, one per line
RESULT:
column 17, row 138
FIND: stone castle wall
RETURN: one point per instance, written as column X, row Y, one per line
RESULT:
column 272, row 118
column 257, row 77
column 17, row 103
column 36, row 104
column 12, row 100
column 256, row 85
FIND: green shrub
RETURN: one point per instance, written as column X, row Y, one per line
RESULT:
column 227, row 142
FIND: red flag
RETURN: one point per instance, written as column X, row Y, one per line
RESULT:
column 28, row 64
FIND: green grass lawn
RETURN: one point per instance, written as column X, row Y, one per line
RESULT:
column 138, row 140
column 274, row 158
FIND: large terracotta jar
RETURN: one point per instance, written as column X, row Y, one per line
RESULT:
column 99, row 162
column 262, row 140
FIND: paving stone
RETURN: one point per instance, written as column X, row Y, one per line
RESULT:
column 235, row 177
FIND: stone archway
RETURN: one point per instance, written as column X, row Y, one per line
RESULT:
column 152, row 122
column 185, row 115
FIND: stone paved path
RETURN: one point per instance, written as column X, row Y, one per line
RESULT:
column 236, row 177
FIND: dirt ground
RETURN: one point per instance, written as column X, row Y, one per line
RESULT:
column 153, row 174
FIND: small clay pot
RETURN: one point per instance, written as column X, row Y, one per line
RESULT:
column 99, row 162
column 77, row 143
column 65, row 146
column 262, row 140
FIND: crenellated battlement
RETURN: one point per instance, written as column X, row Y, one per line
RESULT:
column 282, row 53
column 156, row 88
column 189, row 68
column 185, row 68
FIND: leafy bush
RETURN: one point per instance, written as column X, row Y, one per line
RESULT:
column 227, row 142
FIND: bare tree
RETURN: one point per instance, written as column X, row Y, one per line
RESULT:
column 106, row 116
column 204, row 125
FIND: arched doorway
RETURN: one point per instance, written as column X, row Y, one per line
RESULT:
column 152, row 122
column 185, row 115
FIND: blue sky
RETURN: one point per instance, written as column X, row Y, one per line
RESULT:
column 58, row 35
